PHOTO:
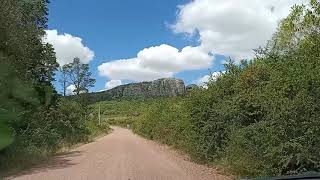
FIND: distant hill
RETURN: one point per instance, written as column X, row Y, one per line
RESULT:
column 166, row 87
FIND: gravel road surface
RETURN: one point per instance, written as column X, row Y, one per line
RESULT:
column 121, row 155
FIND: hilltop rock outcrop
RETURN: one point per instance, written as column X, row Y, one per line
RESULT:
column 166, row 87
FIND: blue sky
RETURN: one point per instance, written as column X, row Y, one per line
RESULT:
column 119, row 29
column 116, row 30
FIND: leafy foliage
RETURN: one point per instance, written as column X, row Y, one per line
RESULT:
column 259, row 118
column 79, row 75
column 34, row 120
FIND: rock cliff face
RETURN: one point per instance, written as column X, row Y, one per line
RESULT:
column 166, row 87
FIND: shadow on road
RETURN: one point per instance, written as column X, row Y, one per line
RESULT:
column 59, row 161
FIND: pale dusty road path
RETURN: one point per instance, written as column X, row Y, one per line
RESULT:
column 120, row 155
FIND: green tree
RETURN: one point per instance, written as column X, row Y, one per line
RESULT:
column 303, row 21
column 21, row 33
column 64, row 81
column 33, row 121
column 15, row 98
column 27, row 65
column 80, row 76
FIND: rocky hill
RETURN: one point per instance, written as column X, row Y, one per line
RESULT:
column 166, row 87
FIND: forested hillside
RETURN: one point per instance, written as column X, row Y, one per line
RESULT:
column 258, row 118
column 34, row 120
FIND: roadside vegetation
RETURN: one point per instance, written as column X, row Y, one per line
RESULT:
column 121, row 112
column 260, row 117
column 35, row 121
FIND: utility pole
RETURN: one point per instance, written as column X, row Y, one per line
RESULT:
column 99, row 116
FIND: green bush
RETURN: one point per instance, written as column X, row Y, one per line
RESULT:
column 41, row 133
column 71, row 121
column 125, row 122
column 167, row 121
column 34, row 122
column 96, row 129
column 260, row 117
column 120, row 113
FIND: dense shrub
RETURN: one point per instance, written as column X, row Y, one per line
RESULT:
column 166, row 121
column 46, row 130
column 71, row 120
column 34, row 121
column 260, row 117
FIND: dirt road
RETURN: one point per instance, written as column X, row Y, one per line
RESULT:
column 120, row 155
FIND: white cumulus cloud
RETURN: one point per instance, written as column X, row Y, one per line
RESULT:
column 67, row 47
column 225, row 27
column 156, row 62
column 232, row 27
column 70, row 89
column 202, row 81
column 170, row 59
column 113, row 83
